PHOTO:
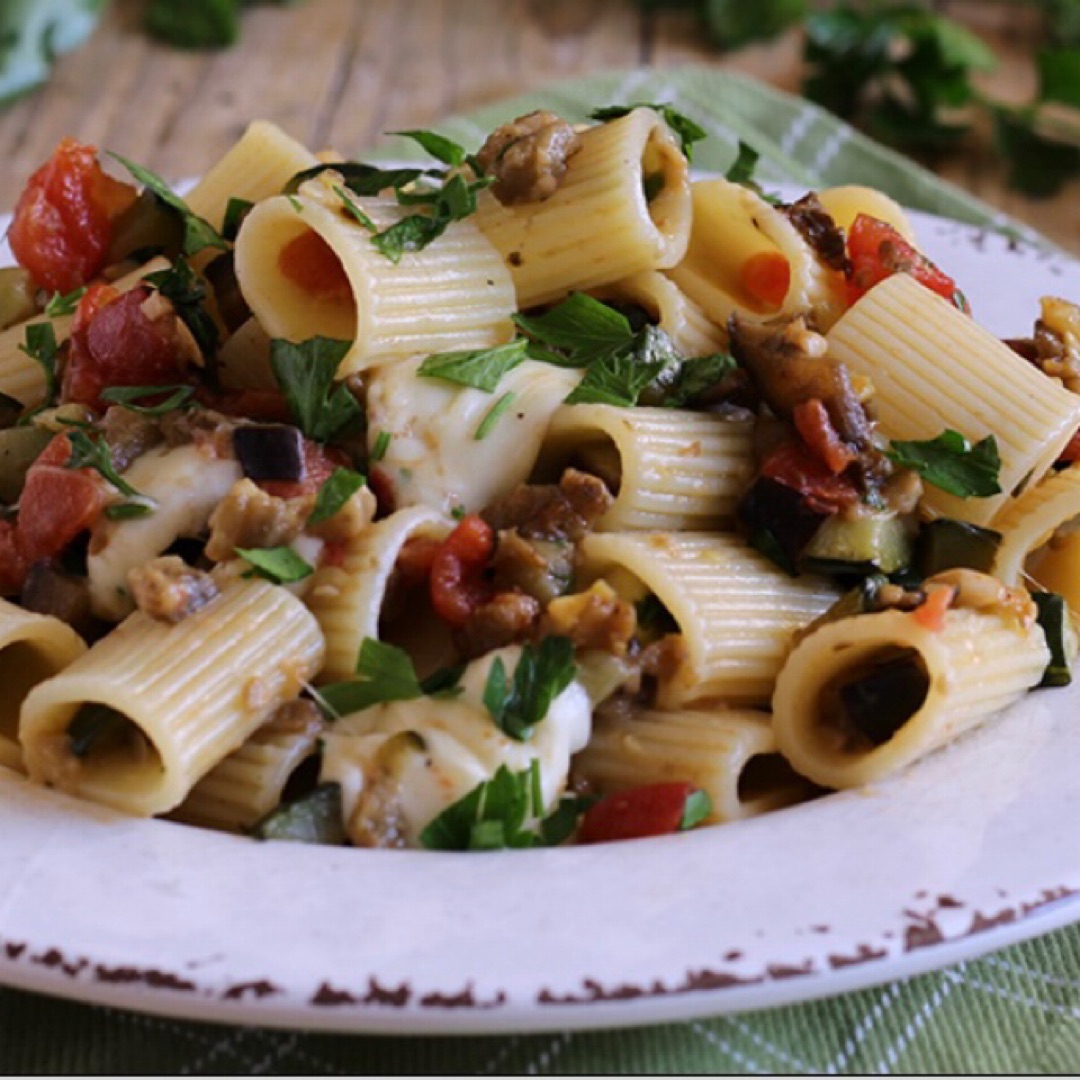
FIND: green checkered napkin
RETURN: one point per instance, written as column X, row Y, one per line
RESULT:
column 1014, row 1012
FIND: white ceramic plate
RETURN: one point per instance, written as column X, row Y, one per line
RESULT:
column 968, row 851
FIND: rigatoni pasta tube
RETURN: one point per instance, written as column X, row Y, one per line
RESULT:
column 250, row 782
column 745, row 257
column 1030, row 521
column 933, row 368
column 669, row 469
column 846, row 202
column 256, row 166
column 736, row 611
column 940, row 683
column 600, row 225
column 691, row 331
column 186, row 695
column 307, row 268
column 348, row 599
column 730, row 754
column 32, row 648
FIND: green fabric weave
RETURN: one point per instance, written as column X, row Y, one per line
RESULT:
column 1014, row 1012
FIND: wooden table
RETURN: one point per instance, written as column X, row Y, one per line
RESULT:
column 340, row 72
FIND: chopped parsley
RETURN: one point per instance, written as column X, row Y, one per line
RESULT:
column 235, row 212
column 492, row 416
column 361, row 179
column 338, row 488
column 481, row 369
column 950, row 462
column 438, row 146
column 186, row 291
column 384, row 673
column 64, row 303
column 280, row 565
column 353, row 210
column 382, row 444
column 179, row 397
column 40, row 345
column 90, row 452
column 198, row 232
column 517, row 705
column 687, row 131
column 580, row 329
column 306, row 371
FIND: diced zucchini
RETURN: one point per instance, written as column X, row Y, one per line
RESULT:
column 313, row 819
column 17, row 296
column 1054, row 619
column 945, row 544
column 19, row 449
column 856, row 546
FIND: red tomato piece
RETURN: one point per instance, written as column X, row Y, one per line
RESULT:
column 878, row 251
column 813, row 423
column 63, row 220
column 766, row 277
column 458, row 585
column 114, row 343
column 308, row 262
column 57, row 503
column 416, row 557
column 652, row 810
column 793, row 464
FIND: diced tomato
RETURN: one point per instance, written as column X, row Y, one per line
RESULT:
column 319, row 463
column 114, row 343
column 766, row 277
column 57, row 503
column 308, row 262
column 63, row 220
column 930, row 614
column 652, row 810
column 334, row 553
column 877, row 251
column 813, row 423
column 458, row 585
column 793, row 464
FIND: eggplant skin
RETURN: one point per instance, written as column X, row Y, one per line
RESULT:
column 270, row 451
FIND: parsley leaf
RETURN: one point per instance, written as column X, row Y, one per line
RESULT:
column 620, row 377
column 179, row 398
column 278, row 564
column 186, row 291
column 353, row 210
column 382, row 444
column 687, row 131
column 455, row 200
column 64, row 304
column 742, row 169
column 580, row 327
column 438, row 146
column 696, row 809
column 360, row 178
column 951, row 463
column 88, row 452
column 235, row 211
column 384, row 673
column 305, row 371
column 517, row 705
column 694, row 376
column 40, row 345
column 198, row 233
column 338, row 488
column 491, row 417
column 481, row 369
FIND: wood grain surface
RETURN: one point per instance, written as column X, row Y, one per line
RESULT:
column 340, row 72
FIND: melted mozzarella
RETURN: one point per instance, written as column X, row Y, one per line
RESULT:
column 186, row 485
column 434, row 458
column 460, row 747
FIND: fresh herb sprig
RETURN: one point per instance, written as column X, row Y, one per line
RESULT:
column 187, row 292
column 686, row 130
column 306, row 372
column 519, row 703
column 950, row 462
column 281, row 565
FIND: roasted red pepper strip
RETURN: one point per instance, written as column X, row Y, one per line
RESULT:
column 63, row 221
column 458, row 585
column 878, row 251
column 793, row 464
column 816, row 428
column 652, row 810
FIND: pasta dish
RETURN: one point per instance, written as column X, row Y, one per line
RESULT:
column 539, row 495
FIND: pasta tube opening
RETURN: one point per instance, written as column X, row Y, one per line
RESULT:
column 866, row 702
column 22, row 666
column 766, row 781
